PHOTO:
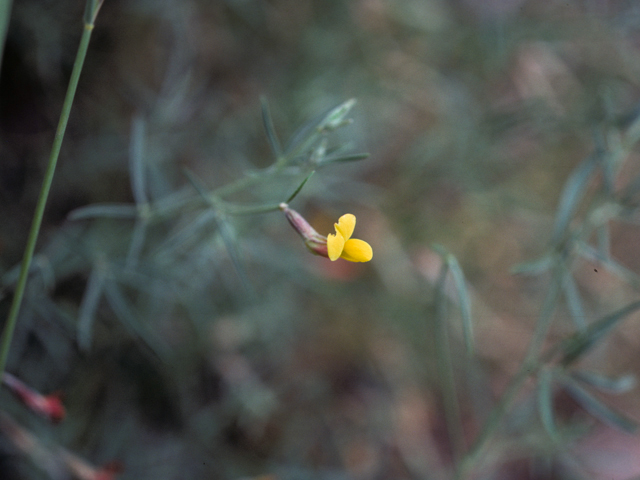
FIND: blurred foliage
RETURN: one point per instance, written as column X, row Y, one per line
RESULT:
column 194, row 336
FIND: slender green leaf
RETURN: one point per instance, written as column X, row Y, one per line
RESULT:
column 251, row 209
column 441, row 301
column 545, row 402
column 579, row 344
column 354, row 157
column 136, row 160
column 535, row 267
column 104, row 210
column 574, row 301
column 297, row 191
column 445, row 366
column 610, row 152
column 618, row 385
column 572, row 194
column 598, row 409
column 463, row 300
column 270, row 130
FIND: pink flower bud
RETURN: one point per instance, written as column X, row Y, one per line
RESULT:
column 315, row 242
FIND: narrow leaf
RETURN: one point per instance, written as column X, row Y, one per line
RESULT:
column 574, row 302
column 104, row 210
column 354, row 157
column 269, row 129
column 441, row 300
column 250, row 209
column 545, row 402
column 580, row 343
column 618, row 385
column 297, row 191
column 572, row 194
column 598, row 409
column 136, row 160
column 535, row 267
column 464, row 302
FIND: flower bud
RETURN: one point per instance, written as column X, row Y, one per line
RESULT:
column 315, row 242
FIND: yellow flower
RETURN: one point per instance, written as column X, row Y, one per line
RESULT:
column 341, row 245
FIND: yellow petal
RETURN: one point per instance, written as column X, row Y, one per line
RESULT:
column 346, row 224
column 335, row 245
column 357, row 251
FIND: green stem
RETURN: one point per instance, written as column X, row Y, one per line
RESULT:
column 10, row 325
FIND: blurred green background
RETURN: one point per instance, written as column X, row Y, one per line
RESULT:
column 185, row 357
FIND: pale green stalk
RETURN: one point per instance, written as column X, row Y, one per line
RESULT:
column 5, row 343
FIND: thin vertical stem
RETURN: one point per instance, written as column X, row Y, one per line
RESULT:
column 10, row 325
